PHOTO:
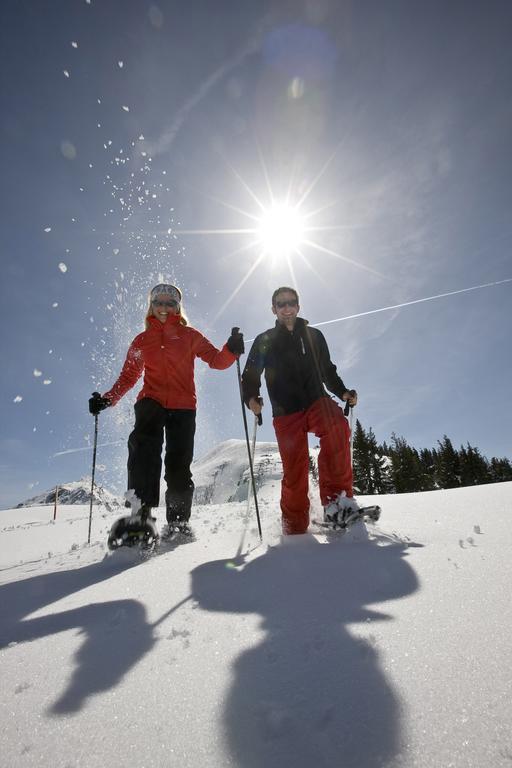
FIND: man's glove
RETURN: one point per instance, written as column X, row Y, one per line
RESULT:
column 98, row 403
column 350, row 398
column 256, row 404
column 235, row 343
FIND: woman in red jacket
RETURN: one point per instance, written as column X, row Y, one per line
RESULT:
column 165, row 352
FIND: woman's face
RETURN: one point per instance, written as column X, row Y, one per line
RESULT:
column 163, row 306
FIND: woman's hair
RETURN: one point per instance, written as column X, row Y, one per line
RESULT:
column 149, row 312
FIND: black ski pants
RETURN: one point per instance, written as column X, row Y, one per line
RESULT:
column 145, row 443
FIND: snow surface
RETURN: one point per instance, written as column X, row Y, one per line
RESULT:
column 387, row 647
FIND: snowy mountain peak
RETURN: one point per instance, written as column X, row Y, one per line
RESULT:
column 78, row 492
column 223, row 474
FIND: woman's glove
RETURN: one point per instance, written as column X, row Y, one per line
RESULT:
column 98, row 403
column 235, row 343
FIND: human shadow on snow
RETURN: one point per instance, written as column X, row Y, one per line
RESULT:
column 117, row 633
column 311, row 693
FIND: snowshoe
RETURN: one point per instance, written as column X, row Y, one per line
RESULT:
column 371, row 512
column 178, row 531
column 133, row 531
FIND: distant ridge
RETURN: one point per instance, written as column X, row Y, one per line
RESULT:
column 221, row 476
column 78, row 492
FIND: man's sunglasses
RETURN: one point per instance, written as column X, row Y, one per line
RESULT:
column 172, row 304
column 287, row 303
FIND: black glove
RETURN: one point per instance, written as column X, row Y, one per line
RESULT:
column 351, row 396
column 98, row 403
column 235, row 343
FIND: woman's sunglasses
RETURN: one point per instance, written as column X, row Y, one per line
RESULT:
column 170, row 304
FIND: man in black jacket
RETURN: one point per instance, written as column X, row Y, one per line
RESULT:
column 297, row 365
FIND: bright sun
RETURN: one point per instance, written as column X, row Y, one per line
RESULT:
column 280, row 230
column 281, row 234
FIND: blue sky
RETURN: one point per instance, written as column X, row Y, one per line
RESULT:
column 140, row 140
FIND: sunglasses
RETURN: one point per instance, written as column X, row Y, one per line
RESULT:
column 287, row 303
column 170, row 304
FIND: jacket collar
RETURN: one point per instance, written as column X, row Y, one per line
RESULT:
column 300, row 325
column 154, row 322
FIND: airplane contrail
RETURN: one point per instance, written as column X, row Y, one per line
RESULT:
column 405, row 304
column 87, row 448
column 416, row 301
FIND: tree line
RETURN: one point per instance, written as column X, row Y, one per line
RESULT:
column 401, row 468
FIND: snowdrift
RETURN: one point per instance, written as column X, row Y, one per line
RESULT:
column 387, row 647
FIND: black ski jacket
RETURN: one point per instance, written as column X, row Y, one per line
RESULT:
column 297, row 364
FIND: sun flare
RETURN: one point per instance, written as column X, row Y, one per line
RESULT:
column 280, row 234
column 281, row 230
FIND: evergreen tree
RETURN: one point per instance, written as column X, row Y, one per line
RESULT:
column 313, row 469
column 387, row 484
column 371, row 471
column 500, row 470
column 400, row 468
column 428, row 469
column 380, row 475
column 474, row 468
column 384, row 449
column 360, row 461
column 448, row 465
column 405, row 466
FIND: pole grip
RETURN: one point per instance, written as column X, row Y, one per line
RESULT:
column 259, row 416
column 347, row 408
column 234, row 330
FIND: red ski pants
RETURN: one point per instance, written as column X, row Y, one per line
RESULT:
column 325, row 419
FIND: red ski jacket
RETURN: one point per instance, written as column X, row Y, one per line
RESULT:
column 166, row 353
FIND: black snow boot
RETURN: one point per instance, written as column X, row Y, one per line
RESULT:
column 178, row 506
column 145, row 513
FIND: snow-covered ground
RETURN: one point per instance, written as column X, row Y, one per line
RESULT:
column 388, row 647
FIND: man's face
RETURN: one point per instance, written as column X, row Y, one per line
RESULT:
column 286, row 308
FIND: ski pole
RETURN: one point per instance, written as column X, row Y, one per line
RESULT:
column 93, row 472
column 253, row 451
column 251, row 466
column 349, row 411
column 246, row 429
column 351, row 421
